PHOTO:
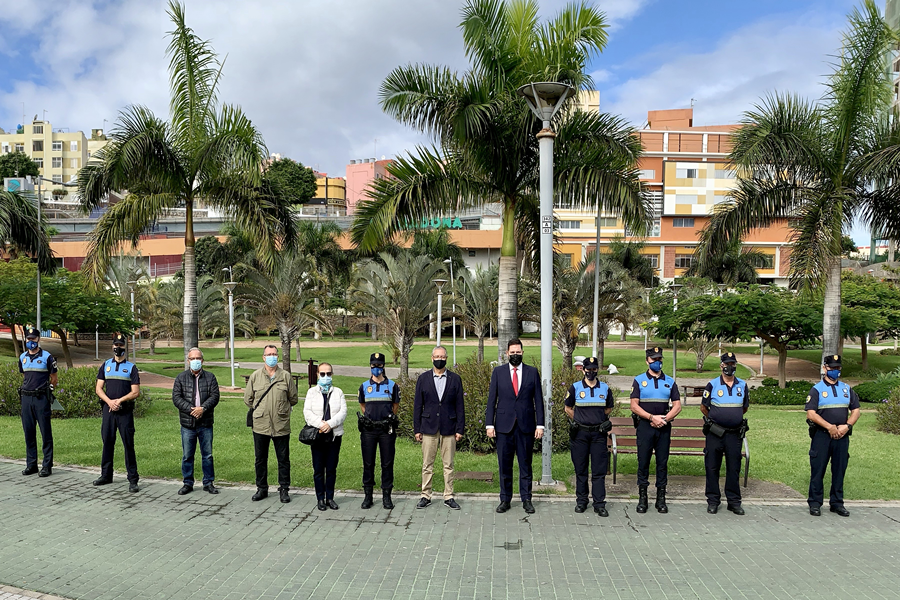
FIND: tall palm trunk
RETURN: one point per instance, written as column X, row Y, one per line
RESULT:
column 508, row 304
column 285, row 336
column 17, row 348
column 864, row 348
column 601, row 350
column 831, row 326
column 191, row 323
column 481, row 348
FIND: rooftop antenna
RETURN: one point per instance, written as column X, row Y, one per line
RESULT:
column 692, row 102
column 376, row 147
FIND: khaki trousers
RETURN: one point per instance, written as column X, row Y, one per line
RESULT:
column 430, row 444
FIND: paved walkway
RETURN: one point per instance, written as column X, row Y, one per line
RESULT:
column 65, row 537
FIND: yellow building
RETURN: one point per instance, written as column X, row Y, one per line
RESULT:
column 95, row 142
column 331, row 193
column 59, row 154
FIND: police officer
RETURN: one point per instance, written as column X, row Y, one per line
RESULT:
column 588, row 403
column 725, row 400
column 655, row 401
column 39, row 369
column 832, row 408
column 118, row 385
column 379, row 402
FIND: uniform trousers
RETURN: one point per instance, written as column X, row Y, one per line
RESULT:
column 36, row 412
column 650, row 440
column 384, row 443
column 325, row 457
column 821, row 449
column 282, row 455
column 729, row 446
column 521, row 444
column 590, row 445
column 115, row 421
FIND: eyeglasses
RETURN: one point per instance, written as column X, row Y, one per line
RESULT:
column 325, row 374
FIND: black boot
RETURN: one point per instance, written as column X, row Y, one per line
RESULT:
column 642, row 499
column 661, row 500
column 367, row 501
column 386, row 499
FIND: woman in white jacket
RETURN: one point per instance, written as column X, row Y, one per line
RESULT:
column 325, row 408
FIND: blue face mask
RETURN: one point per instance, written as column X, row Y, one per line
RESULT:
column 656, row 366
column 377, row 371
column 196, row 364
column 325, row 382
column 833, row 374
column 271, row 361
column 31, row 345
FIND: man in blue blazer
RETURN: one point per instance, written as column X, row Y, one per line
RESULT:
column 515, row 416
column 439, row 420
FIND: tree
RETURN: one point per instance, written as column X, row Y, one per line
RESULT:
column 205, row 153
column 869, row 305
column 821, row 166
column 630, row 255
column 291, row 180
column 729, row 265
column 479, row 302
column 18, row 290
column 848, row 246
column 18, row 164
column 22, row 232
column 400, row 289
column 619, row 298
column 572, row 305
column 688, row 322
column 485, row 135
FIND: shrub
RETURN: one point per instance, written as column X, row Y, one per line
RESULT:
column 74, row 390
column 889, row 352
column 794, row 393
column 876, row 391
column 769, row 382
column 888, row 417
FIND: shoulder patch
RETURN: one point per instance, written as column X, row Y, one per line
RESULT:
column 808, row 398
column 706, row 393
column 569, row 393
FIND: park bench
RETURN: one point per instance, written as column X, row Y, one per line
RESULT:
column 312, row 374
column 687, row 440
column 691, row 391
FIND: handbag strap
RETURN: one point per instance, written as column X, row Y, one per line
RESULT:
column 258, row 402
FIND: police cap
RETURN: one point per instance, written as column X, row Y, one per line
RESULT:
column 32, row 333
column 833, row 361
column 377, row 359
column 591, row 363
column 119, row 340
column 654, row 353
column 728, row 357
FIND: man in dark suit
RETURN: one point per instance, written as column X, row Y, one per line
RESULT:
column 439, row 419
column 515, row 416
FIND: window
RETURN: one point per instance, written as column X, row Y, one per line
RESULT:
column 654, row 230
column 767, row 261
column 471, row 253
column 683, row 222
column 686, row 173
column 724, row 174
column 654, row 260
column 73, row 163
column 56, row 162
column 647, row 174
column 570, row 224
column 683, row 261
column 609, row 222
column 5, row 148
column 20, row 147
column 37, row 129
column 73, row 146
column 57, row 147
column 37, row 146
column 57, row 178
column 40, row 162
column 686, row 198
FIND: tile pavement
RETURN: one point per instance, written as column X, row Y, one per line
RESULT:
column 62, row 536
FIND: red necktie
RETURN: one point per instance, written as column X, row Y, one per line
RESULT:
column 515, row 381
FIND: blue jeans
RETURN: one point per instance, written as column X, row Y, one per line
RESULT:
column 189, row 439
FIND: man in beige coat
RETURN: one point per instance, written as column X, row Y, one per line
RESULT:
column 272, row 394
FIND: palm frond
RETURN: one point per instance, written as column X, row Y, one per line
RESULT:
column 21, row 229
column 816, row 241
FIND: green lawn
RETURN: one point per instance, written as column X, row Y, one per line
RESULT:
column 852, row 360
column 782, row 456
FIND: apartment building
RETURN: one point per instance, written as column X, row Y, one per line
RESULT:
column 361, row 173
column 59, row 153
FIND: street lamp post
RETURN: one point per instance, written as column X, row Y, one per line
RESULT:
column 675, row 287
column 230, row 285
column 131, row 285
column 647, row 292
column 440, row 286
column 452, row 291
column 545, row 99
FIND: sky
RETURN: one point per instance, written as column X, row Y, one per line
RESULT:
column 307, row 72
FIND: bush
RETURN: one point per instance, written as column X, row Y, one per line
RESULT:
column 888, row 417
column 876, row 391
column 769, row 382
column 74, row 390
column 889, row 352
column 794, row 393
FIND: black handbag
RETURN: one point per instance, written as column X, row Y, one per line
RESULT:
column 251, row 410
column 309, row 434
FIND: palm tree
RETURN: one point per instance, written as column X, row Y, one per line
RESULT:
column 573, row 290
column 21, row 231
column 630, row 255
column 732, row 264
column 205, row 153
column 487, row 151
column 399, row 289
column 619, row 297
column 479, row 302
column 820, row 165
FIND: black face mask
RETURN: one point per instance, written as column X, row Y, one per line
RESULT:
column 590, row 375
column 515, row 359
column 439, row 363
column 729, row 370
column 119, row 351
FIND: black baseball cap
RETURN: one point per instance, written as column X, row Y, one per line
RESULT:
column 728, row 357
column 654, row 353
column 591, row 363
column 377, row 358
column 32, row 333
column 119, row 340
column 833, row 361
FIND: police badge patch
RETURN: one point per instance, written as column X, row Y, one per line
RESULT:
column 644, row 383
column 721, row 393
column 369, row 389
column 824, row 394
column 582, row 394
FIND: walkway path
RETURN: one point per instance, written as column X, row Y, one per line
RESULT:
column 63, row 536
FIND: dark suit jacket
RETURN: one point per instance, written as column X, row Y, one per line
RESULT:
column 431, row 415
column 505, row 409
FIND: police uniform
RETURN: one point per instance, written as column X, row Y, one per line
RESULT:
column 726, row 406
column 587, row 438
column 118, row 378
column 378, row 431
column 654, row 395
column 832, row 402
column 37, row 365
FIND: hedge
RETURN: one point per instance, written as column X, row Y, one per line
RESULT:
column 794, row 394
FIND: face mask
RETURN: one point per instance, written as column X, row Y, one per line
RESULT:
column 196, row 364
column 119, row 351
column 439, row 363
column 833, row 374
column 31, row 345
column 271, row 361
column 590, row 375
column 377, row 371
column 729, row 370
column 515, row 359
column 325, row 382
column 656, row 366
